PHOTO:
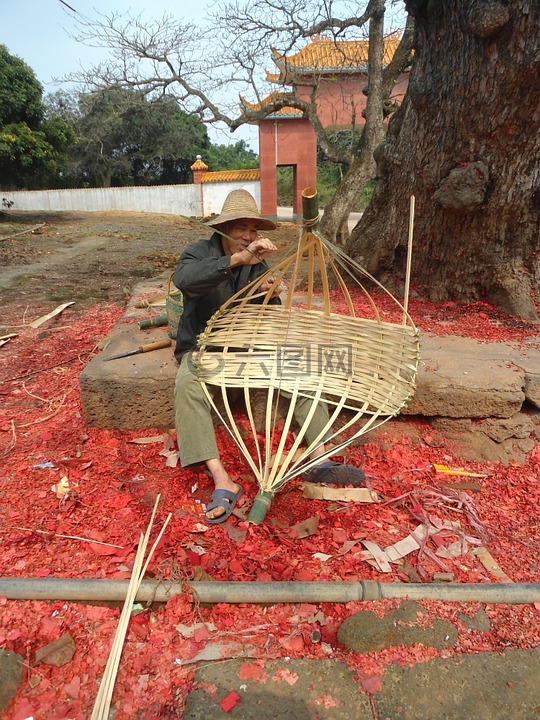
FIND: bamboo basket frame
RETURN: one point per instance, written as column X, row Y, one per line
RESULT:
column 244, row 343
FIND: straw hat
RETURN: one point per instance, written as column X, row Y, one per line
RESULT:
column 241, row 205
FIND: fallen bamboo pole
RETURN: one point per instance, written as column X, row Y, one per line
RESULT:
column 23, row 232
column 90, row 590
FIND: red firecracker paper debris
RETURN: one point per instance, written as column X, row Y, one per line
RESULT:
column 43, row 438
column 229, row 701
column 371, row 683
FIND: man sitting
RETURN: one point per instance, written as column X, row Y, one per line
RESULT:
column 210, row 272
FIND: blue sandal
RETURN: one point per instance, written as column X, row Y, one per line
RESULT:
column 225, row 499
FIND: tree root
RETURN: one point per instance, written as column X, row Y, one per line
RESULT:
column 513, row 293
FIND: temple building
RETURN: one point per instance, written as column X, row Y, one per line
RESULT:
column 335, row 73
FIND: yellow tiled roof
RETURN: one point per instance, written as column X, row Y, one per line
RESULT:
column 322, row 55
column 286, row 111
column 231, row 175
column 199, row 165
column 327, row 55
column 272, row 77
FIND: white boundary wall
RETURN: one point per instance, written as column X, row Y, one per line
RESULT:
column 189, row 200
column 215, row 193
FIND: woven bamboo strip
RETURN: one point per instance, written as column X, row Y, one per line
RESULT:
column 323, row 259
column 359, row 391
column 294, row 461
column 311, row 271
column 376, row 387
column 298, row 460
column 350, row 266
column 231, row 426
column 277, row 470
column 364, row 362
column 349, row 359
column 290, row 361
column 309, row 319
column 268, row 434
column 304, row 355
column 334, row 256
column 316, row 397
column 303, row 317
column 286, row 265
column 252, row 425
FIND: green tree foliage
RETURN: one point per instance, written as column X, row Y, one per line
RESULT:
column 110, row 137
column 231, row 157
column 20, row 92
column 123, row 139
column 32, row 146
column 329, row 178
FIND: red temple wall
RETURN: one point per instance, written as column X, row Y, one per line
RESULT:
column 289, row 141
column 340, row 98
column 292, row 141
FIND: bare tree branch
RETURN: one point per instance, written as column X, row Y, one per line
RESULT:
column 206, row 68
column 164, row 56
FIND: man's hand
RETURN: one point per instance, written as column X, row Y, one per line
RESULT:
column 255, row 252
column 269, row 284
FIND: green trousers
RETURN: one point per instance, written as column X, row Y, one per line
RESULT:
column 195, row 427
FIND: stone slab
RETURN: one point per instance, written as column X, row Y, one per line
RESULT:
column 486, row 686
column 364, row 632
column 295, row 689
column 138, row 391
column 462, row 377
column 458, row 377
column 11, row 675
column 134, row 392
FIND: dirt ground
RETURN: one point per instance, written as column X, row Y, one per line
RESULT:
column 91, row 257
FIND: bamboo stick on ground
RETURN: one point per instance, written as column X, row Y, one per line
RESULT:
column 104, row 697
column 409, row 261
column 103, row 700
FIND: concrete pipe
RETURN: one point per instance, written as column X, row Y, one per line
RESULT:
column 90, row 590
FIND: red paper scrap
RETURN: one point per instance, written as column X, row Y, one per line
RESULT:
column 251, row 670
column 229, row 701
column 371, row 684
column 73, row 687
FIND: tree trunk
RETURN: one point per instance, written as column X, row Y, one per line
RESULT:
column 362, row 169
column 466, row 143
column 334, row 224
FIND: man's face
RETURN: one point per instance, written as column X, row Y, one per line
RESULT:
column 243, row 232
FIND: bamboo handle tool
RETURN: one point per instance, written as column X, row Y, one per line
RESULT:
column 158, row 321
column 141, row 349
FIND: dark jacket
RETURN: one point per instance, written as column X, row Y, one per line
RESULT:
column 206, row 280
